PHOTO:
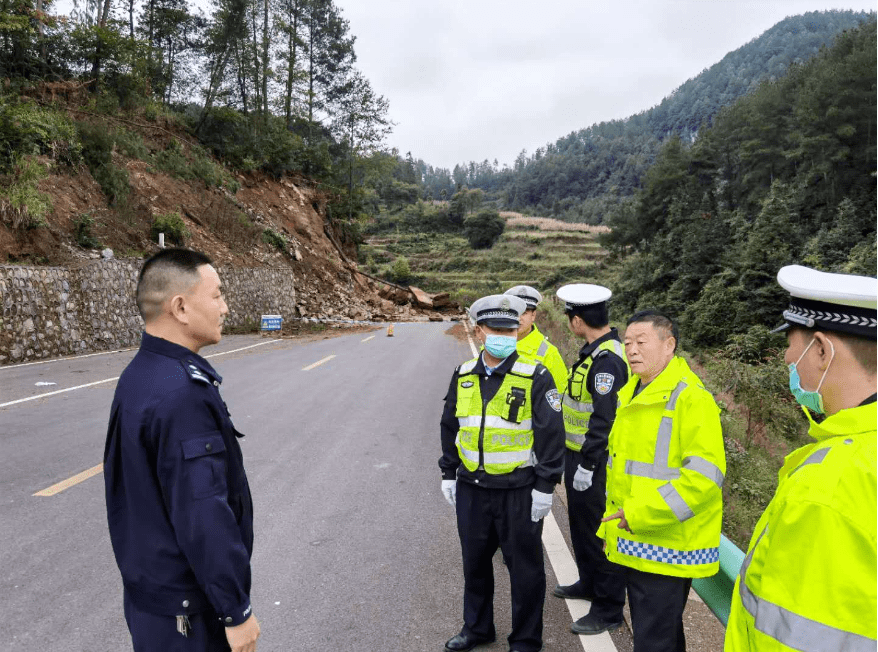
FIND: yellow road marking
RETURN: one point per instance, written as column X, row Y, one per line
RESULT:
column 318, row 363
column 69, row 482
column 368, row 338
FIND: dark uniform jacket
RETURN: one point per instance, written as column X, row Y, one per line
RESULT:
column 594, row 450
column 178, row 502
column 548, row 429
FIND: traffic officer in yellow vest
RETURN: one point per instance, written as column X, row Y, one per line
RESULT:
column 808, row 581
column 531, row 342
column 589, row 409
column 502, row 455
column 664, row 483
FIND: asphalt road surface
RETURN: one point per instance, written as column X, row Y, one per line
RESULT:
column 356, row 549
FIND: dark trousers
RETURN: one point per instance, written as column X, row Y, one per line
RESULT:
column 598, row 577
column 152, row 633
column 492, row 518
column 657, row 603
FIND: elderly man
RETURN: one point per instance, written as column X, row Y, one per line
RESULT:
column 178, row 503
column 665, row 472
column 808, row 581
column 502, row 455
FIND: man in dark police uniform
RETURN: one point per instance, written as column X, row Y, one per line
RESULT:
column 178, row 502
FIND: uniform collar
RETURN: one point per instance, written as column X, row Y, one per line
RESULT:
column 502, row 368
column 174, row 351
column 589, row 348
column 665, row 382
column 852, row 421
column 533, row 338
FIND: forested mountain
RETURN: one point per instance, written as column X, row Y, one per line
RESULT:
column 785, row 175
column 580, row 175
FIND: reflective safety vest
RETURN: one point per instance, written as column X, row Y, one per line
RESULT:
column 808, row 581
column 665, row 468
column 535, row 346
column 577, row 403
column 497, row 434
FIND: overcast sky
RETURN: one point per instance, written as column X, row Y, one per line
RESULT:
column 484, row 79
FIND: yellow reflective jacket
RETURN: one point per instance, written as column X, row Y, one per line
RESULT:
column 665, row 469
column 498, row 433
column 536, row 347
column 808, row 581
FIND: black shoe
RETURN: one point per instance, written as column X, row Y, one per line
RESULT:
column 463, row 642
column 572, row 592
column 589, row 625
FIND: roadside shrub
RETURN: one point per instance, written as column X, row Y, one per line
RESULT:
column 82, row 226
column 22, row 206
column 131, row 145
column 97, row 152
column 275, row 239
column 401, row 272
column 173, row 161
column 483, row 229
column 172, row 225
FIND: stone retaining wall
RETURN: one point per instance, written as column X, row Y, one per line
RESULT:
column 55, row 311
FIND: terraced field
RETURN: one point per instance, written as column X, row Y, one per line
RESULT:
column 527, row 253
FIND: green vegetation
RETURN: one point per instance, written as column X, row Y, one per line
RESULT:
column 82, row 226
column 172, row 226
column 275, row 239
column 483, row 229
column 22, row 206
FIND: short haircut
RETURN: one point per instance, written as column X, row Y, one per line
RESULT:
column 864, row 349
column 168, row 272
column 660, row 321
column 596, row 315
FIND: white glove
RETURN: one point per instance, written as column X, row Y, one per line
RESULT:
column 582, row 479
column 449, row 490
column 542, row 505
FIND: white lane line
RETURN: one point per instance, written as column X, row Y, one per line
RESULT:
column 567, row 573
column 73, row 357
column 368, row 338
column 69, row 482
column 563, row 564
column 109, row 380
column 318, row 363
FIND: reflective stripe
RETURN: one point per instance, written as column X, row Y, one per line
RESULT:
column 659, row 468
column 507, row 457
column 667, row 555
column 610, row 462
column 575, row 438
column 788, row 627
column 523, row 369
column 467, row 367
column 579, row 406
column 617, row 348
column 814, row 458
column 493, row 422
column 708, row 469
column 675, row 501
column 644, row 470
column 544, row 348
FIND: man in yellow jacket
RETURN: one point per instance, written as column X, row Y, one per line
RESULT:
column 808, row 581
column 665, row 472
column 531, row 342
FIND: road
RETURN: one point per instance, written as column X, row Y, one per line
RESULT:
column 355, row 546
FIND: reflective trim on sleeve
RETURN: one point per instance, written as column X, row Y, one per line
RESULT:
column 467, row 367
column 814, row 458
column 609, row 461
column 493, row 422
column 667, row 555
column 579, row 406
column 675, row 501
column 791, row 629
column 708, row 469
column 617, row 348
column 523, row 369
column 644, row 470
column 544, row 348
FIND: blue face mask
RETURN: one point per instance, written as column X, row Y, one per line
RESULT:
column 500, row 346
column 811, row 400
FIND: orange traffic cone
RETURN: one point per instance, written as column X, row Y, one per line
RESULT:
column 390, row 331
